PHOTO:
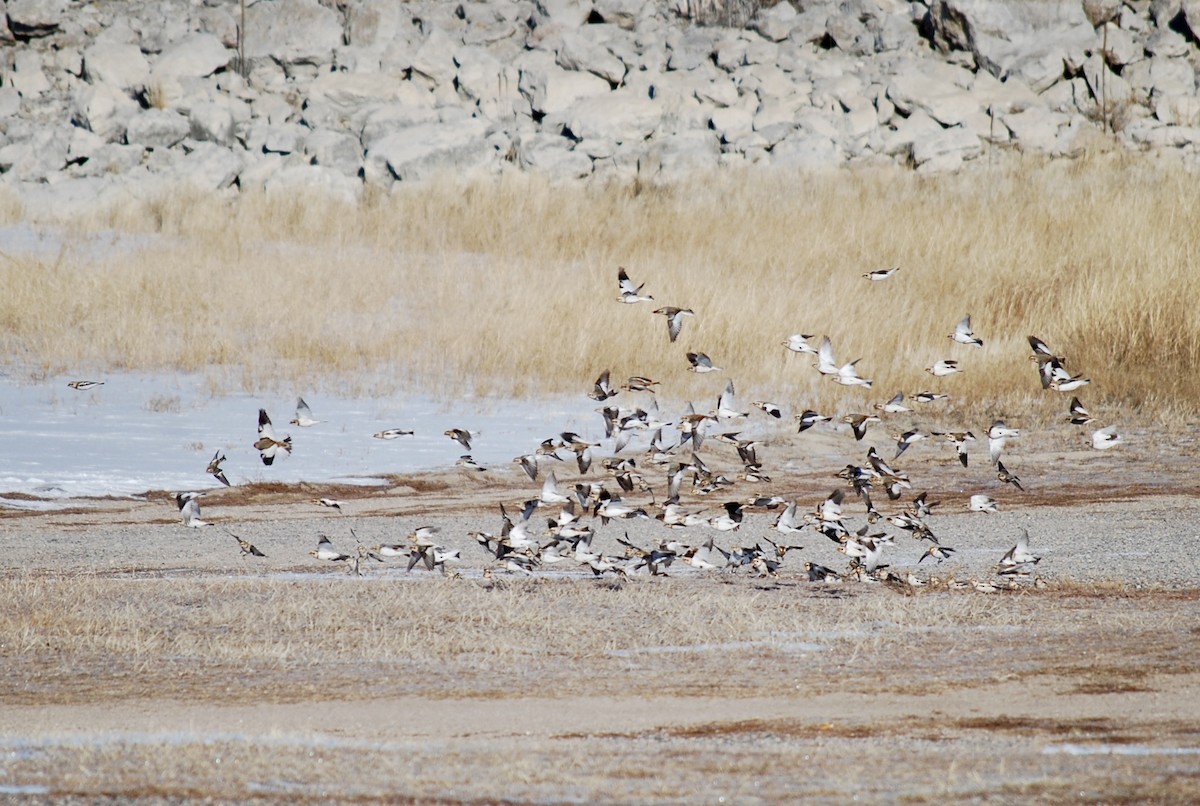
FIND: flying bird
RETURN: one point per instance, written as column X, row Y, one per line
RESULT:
column 269, row 446
column 674, row 319
column 1008, row 478
column 1078, row 414
column 881, row 274
column 214, row 468
column 983, row 503
column 963, row 334
column 940, row 369
column 998, row 435
column 303, row 416
column 630, row 293
column 769, row 408
column 248, row 548
column 1105, row 438
column 893, row 406
column 701, row 363
column 461, row 436
column 83, row 386
column 326, row 551
column 189, row 510
column 810, row 418
column 602, row 390
column 392, row 433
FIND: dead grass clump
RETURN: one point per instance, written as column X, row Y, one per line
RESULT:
column 508, row 287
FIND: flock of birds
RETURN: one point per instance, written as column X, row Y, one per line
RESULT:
column 568, row 541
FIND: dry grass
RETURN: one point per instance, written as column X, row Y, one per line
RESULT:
column 509, row 286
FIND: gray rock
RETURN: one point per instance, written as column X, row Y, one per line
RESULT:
column 218, row 22
column 373, row 23
column 932, row 88
column 212, row 122
column 1168, row 44
column 849, row 34
column 10, row 103
column 292, row 179
column 561, row 13
column 35, row 18
column 103, row 109
column 1121, row 48
column 1035, row 129
column 279, row 138
column 194, row 56
column 157, row 128
column 335, row 150
column 776, row 22
column 679, row 157
column 434, row 60
column 580, row 52
column 621, row 116
column 38, row 158
column 917, row 126
column 732, row 123
column 386, row 119
column 1178, row 110
column 808, row 152
column 551, row 89
column 622, row 13
column 122, row 66
column 420, row 152
column 1163, row 12
column 28, row 76
column 110, row 158
column 947, row 149
column 208, row 166
column 1013, row 37
column 553, row 156
column 691, row 49
column 291, row 32
column 1172, row 77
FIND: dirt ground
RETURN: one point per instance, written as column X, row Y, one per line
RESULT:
column 705, row 688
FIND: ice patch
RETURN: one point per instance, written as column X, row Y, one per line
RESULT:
column 1118, row 750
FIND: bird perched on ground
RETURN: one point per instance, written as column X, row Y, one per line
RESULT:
column 332, row 503
column 963, row 335
column 674, row 318
column 269, row 446
column 214, row 468
column 630, row 293
column 303, row 416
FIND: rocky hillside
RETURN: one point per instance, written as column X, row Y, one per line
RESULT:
column 103, row 99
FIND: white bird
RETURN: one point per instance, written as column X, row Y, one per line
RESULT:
column 550, row 491
column 189, row 509
column 963, row 335
column 983, row 503
column 940, row 369
column 881, row 274
column 769, row 408
column 303, row 416
column 998, row 435
column 826, row 363
column 1066, row 383
column 893, row 406
column 798, row 343
column 701, row 363
column 1019, row 555
column 630, row 293
column 727, row 405
column 1105, row 438
column 392, row 433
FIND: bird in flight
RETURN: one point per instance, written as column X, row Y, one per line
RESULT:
column 701, row 363
column 881, row 274
column 269, row 446
column 304, row 416
column 963, row 334
column 675, row 318
column 630, row 293
column 214, row 468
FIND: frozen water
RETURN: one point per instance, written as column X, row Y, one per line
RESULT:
column 141, row 432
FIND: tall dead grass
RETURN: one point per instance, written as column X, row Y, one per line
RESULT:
column 509, row 286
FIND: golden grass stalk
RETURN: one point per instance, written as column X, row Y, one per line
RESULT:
column 509, row 285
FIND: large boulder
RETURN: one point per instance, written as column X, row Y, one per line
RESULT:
column 123, row 66
column 423, row 151
column 28, row 19
column 193, row 56
column 1014, row 37
column 291, row 32
column 620, row 116
column 551, row 89
column 936, row 89
column 157, row 128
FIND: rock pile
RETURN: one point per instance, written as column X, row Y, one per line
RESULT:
column 136, row 96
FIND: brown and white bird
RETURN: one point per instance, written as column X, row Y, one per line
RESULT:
column 248, row 548
column 83, row 386
column 959, row 440
column 798, row 343
column 675, row 317
column 189, row 510
column 601, row 390
column 940, row 369
column 214, row 468
column 893, row 406
column 269, row 446
column 392, row 433
column 1078, row 414
column 462, row 436
column 1008, row 478
column 998, row 435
